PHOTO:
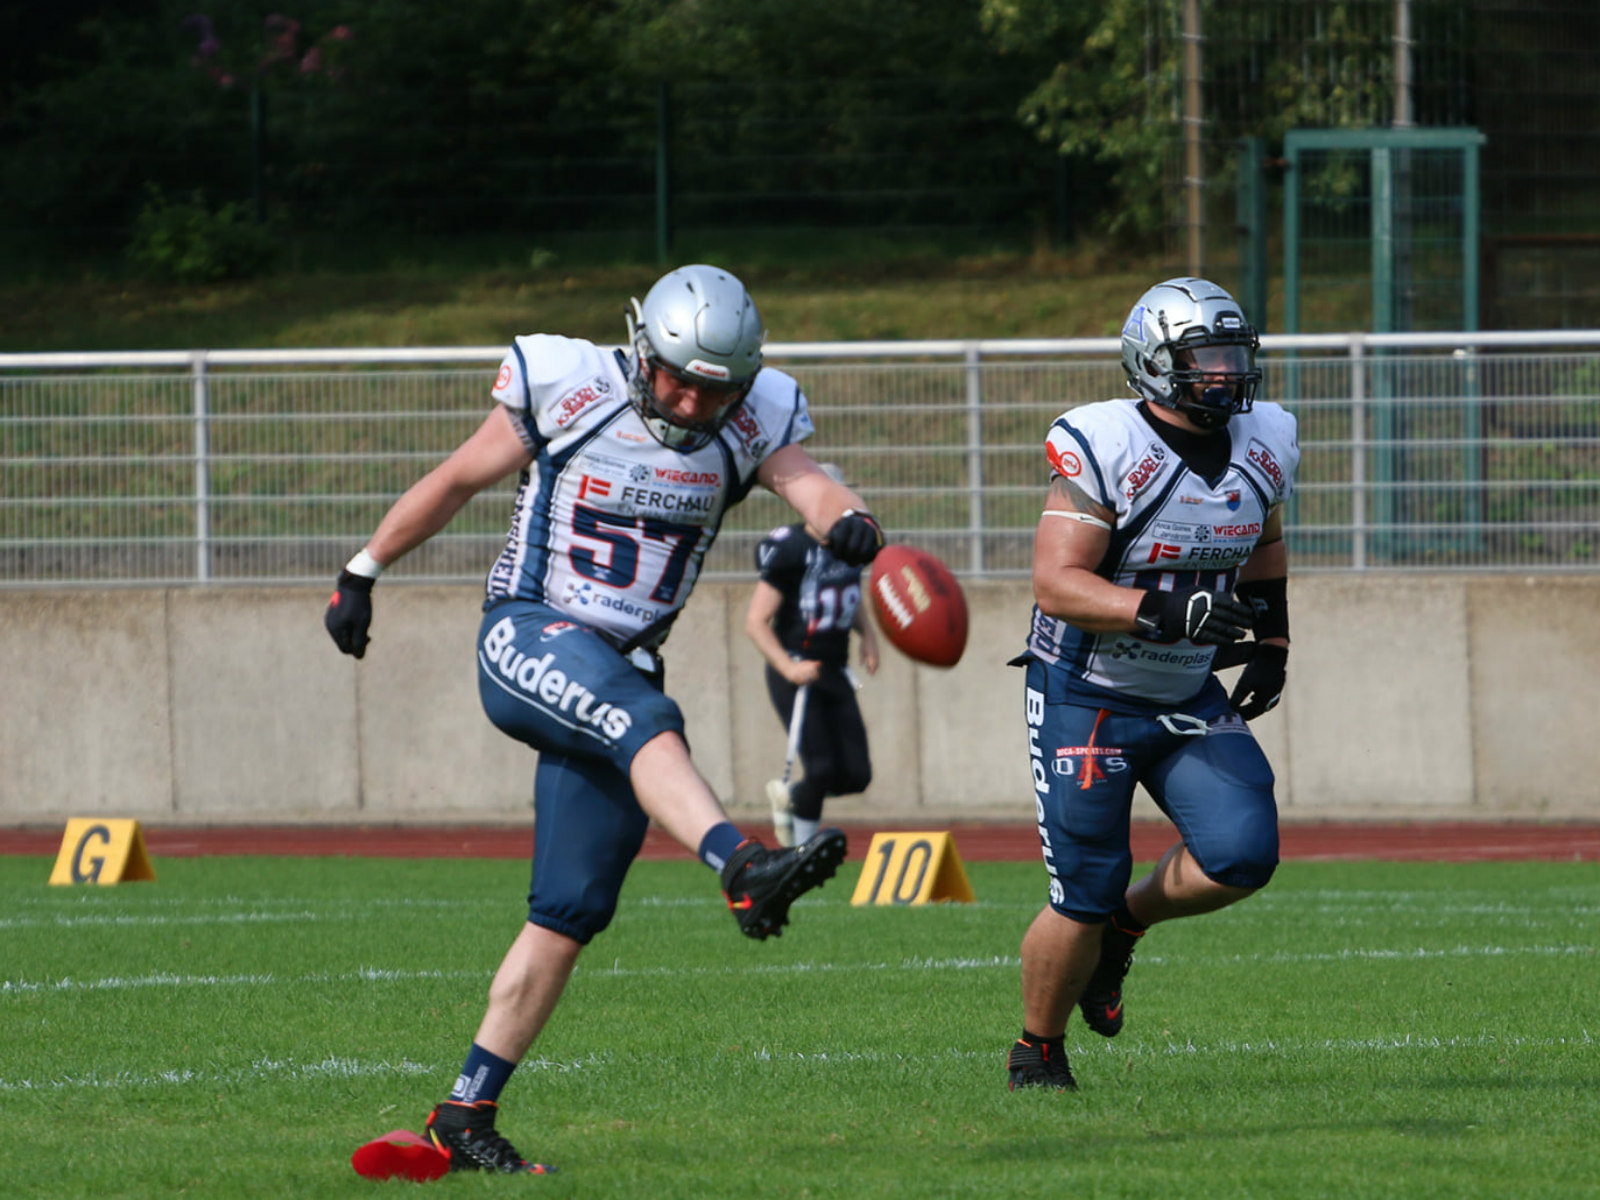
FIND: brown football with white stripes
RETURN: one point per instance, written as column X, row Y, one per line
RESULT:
column 919, row 605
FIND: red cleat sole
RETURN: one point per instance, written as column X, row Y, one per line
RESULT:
column 400, row 1154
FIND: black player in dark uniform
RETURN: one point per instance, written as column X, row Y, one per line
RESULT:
column 800, row 618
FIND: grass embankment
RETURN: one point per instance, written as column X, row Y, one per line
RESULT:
column 815, row 297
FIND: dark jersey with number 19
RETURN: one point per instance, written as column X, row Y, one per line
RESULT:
column 820, row 595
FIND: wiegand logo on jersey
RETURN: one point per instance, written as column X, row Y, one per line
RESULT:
column 547, row 685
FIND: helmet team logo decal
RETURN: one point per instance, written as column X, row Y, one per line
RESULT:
column 708, row 370
column 503, row 380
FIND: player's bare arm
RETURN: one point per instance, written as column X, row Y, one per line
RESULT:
column 796, row 479
column 869, row 640
column 1074, row 531
column 491, row 453
column 1271, row 557
column 764, row 606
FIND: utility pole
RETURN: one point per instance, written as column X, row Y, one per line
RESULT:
column 1402, row 303
column 1402, row 65
column 1193, row 163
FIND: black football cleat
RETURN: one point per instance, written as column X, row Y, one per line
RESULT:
column 761, row 884
column 1040, row 1065
column 465, row 1133
column 1101, row 1002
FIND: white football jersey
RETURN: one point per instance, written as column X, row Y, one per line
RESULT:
column 611, row 526
column 1173, row 529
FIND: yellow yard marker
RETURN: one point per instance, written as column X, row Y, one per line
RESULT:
column 912, row 868
column 102, row 851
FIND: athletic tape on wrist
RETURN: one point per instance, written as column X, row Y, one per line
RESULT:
column 364, row 564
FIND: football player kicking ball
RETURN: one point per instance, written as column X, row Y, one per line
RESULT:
column 1160, row 546
column 628, row 461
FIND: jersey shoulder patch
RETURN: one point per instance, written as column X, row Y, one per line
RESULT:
column 773, row 415
column 539, row 365
column 1126, row 453
column 1266, row 441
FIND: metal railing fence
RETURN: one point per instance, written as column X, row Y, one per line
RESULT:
column 1445, row 451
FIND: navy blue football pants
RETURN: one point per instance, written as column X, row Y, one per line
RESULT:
column 565, row 690
column 1201, row 765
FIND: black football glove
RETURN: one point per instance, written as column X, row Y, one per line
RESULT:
column 1234, row 654
column 855, row 538
column 349, row 613
column 1260, row 685
column 1194, row 614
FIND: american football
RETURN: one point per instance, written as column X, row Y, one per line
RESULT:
column 919, row 605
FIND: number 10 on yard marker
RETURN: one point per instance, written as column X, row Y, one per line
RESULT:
column 912, row 868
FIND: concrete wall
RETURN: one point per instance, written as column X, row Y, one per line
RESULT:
column 1409, row 696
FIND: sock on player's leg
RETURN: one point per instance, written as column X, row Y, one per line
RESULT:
column 483, row 1076
column 1123, row 920
column 718, row 845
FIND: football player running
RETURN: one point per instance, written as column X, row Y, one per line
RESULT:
column 628, row 461
column 1160, row 547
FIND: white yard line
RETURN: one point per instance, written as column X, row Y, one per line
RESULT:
column 349, row 1068
column 18, row 987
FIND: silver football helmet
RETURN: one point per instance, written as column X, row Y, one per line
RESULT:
column 1187, row 347
column 700, row 326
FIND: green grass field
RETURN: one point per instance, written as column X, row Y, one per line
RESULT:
column 237, row 1028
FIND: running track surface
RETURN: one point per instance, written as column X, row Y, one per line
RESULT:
column 1423, row 841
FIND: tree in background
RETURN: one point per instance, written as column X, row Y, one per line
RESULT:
column 150, row 95
column 523, row 115
column 889, row 111
column 1113, row 88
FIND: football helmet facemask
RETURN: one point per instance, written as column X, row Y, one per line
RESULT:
column 1186, row 346
column 699, row 325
